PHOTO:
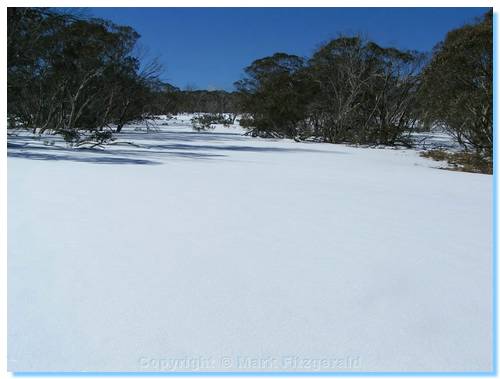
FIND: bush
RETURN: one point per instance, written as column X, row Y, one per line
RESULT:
column 208, row 121
column 462, row 161
column 246, row 122
column 80, row 138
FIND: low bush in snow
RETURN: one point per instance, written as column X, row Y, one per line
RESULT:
column 462, row 161
column 208, row 121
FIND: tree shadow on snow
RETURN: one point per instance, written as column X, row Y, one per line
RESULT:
column 124, row 152
column 76, row 158
column 98, row 156
column 183, row 136
column 257, row 149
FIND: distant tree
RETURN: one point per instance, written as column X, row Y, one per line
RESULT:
column 457, row 88
column 204, row 101
column 167, row 99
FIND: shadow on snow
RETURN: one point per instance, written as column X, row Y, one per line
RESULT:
column 142, row 153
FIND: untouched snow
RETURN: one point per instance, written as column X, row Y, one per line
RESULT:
column 219, row 252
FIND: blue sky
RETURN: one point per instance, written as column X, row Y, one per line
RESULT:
column 208, row 47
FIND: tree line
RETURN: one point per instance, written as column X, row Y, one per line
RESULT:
column 74, row 76
column 354, row 91
column 83, row 79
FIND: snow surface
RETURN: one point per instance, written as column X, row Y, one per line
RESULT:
column 214, row 251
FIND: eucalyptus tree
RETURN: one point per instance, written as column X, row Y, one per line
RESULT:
column 363, row 92
column 457, row 88
column 73, row 76
column 274, row 94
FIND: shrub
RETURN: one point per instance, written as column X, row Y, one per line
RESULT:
column 207, row 121
column 462, row 161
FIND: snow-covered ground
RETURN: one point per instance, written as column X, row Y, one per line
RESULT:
column 214, row 251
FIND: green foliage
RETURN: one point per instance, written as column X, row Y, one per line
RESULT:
column 70, row 135
column 274, row 93
column 457, row 88
column 80, row 78
column 203, row 101
column 349, row 91
column 73, row 76
column 364, row 92
column 101, row 136
column 207, row 121
column 355, row 91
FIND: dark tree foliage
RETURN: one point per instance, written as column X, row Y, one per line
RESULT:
column 217, row 102
column 349, row 91
column 207, row 121
column 275, row 94
column 364, row 92
column 72, row 76
column 172, row 100
column 79, row 78
column 457, row 88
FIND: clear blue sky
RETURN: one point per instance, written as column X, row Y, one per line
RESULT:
column 209, row 47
